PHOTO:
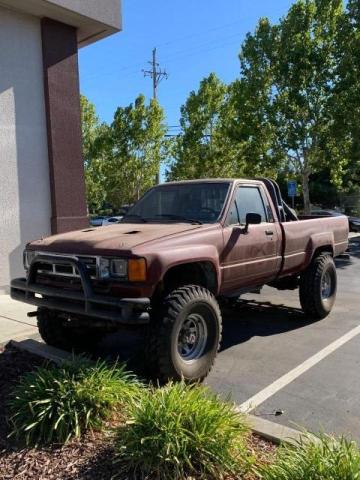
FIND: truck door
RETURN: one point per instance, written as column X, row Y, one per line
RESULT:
column 252, row 258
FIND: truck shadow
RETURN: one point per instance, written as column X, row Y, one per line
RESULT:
column 240, row 323
column 252, row 318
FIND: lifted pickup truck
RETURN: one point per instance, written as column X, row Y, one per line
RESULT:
column 180, row 249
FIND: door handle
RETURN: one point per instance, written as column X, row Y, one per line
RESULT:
column 269, row 232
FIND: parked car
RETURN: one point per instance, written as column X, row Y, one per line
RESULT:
column 179, row 250
column 354, row 222
column 97, row 221
column 112, row 220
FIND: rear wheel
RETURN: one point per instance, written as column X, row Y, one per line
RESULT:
column 59, row 333
column 185, row 335
column 318, row 287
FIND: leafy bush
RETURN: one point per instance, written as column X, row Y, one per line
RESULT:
column 182, row 430
column 54, row 404
column 316, row 458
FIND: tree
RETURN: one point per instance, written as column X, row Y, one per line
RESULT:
column 200, row 150
column 91, row 131
column 134, row 147
column 294, row 62
column 122, row 160
column 347, row 94
column 90, row 125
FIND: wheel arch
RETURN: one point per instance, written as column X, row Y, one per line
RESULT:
column 200, row 272
column 323, row 249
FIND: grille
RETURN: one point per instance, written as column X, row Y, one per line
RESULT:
column 68, row 270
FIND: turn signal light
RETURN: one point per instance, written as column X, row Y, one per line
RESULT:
column 137, row 270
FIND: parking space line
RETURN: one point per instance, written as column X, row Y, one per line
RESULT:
column 281, row 382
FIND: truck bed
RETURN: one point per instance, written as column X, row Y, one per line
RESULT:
column 303, row 237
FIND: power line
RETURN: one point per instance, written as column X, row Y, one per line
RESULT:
column 173, row 56
column 200, row 33
column 156, row 74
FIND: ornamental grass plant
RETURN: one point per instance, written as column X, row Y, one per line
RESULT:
column 182, row 431
column 315, row 458
column 53, row 404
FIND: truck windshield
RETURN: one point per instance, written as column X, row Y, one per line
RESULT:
column 188, row 202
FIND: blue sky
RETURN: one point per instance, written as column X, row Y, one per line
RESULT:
column 193, row 38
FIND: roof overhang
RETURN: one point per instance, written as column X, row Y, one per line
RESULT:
column 94, row 19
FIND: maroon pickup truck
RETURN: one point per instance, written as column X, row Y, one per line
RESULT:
column 180, row 249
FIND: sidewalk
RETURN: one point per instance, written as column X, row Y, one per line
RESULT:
column 14, row 323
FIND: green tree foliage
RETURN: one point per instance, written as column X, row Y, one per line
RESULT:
column 92, row 130
column 122, row 160
column 199, row 150
column 279, row 116
column 347, row 94
column 294, row 63
column 137, row 145
column 90, row 125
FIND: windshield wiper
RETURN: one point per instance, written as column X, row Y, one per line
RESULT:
column 134, row 216
column 172, row 216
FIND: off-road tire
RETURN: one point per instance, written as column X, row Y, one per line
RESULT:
column 310, row 292
column 53, row 331
column 163, row 357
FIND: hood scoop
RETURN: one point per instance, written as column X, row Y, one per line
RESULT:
column 132, row 232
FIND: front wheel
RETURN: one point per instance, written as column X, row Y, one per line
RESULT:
column 55, row 331
column 185, row 335
column 318, row 287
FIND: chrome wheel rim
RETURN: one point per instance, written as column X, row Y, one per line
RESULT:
column 192, row 337
column 326, row 286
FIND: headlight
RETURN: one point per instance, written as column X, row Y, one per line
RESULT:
column 119, row 268
column 28, row 257
column 104, row 268
column 133, row 269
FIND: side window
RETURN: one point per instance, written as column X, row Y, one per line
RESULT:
column 248, row 200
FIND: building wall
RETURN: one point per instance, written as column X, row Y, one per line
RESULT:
column 25, row 206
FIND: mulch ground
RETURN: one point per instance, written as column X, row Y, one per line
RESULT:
column 90, row 458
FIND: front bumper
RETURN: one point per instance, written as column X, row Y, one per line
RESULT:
column 131, row 311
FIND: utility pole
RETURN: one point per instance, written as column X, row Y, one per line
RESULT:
column 156, row 74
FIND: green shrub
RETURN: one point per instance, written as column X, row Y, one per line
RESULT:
column 179, row 431
column 54, row 404
column 316, row 458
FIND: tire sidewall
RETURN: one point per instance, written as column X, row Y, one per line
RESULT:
column 197, row 368
column 325, row 305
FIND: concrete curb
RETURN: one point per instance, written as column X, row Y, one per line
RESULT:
column 274, row 432
column 20, row 338
column 271, row 431
column 42, row 350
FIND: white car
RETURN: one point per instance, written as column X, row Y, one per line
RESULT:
column 111, row 220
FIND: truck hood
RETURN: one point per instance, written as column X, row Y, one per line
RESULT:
column 109, row 239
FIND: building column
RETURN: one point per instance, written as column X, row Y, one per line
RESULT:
column 62, row 101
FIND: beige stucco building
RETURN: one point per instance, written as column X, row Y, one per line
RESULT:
column 41, row 169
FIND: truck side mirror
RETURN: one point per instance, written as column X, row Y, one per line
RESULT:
column 252, row 219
